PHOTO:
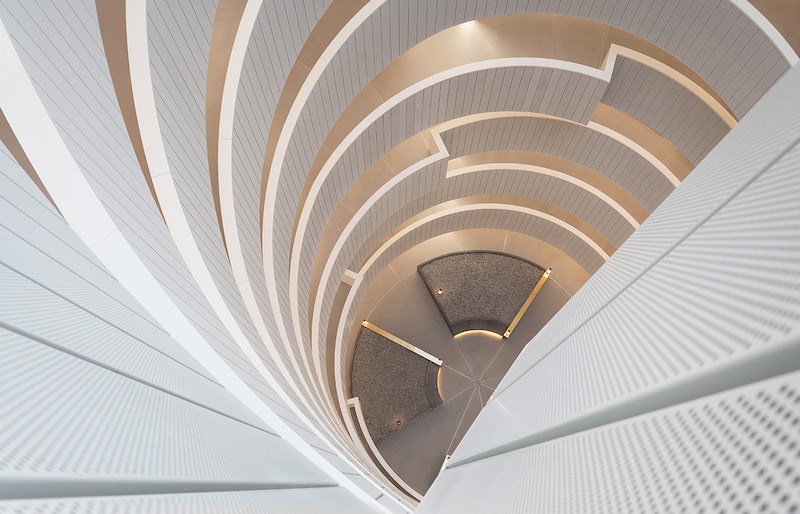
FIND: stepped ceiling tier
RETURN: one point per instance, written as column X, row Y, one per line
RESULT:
column 278, row 168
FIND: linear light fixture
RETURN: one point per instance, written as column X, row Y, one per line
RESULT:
column 404, row 344
column 527, row 303
column 478, row 331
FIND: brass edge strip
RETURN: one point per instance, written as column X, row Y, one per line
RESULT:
column 404, row 344
column 527, row 303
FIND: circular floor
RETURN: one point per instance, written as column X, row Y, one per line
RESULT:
column 473, row 364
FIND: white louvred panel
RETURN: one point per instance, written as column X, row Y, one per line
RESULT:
column 68, row 426
column 737, row 451
column 332, row 500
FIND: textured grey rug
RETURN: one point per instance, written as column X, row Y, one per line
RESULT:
column 391, row 383
column 479, row 290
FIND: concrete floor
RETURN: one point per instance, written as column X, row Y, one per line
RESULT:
column 473, row 365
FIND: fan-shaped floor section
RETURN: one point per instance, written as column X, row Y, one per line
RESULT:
column 392, row 383
column 480, row 290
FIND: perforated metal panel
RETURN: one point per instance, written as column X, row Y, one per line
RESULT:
column 313, row 500
column 736, row 451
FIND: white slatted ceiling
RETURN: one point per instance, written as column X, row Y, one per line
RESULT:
column 445, row 13
column 569, row 141
column 665, row 106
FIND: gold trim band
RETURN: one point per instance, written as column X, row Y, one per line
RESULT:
column 527, row 303
column 404, row 344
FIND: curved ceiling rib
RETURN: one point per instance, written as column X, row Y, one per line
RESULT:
column 565, row 170
column 230, row 33
column 547, row 212
column 112, row 19
column 143, row 104
column 233, row 25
